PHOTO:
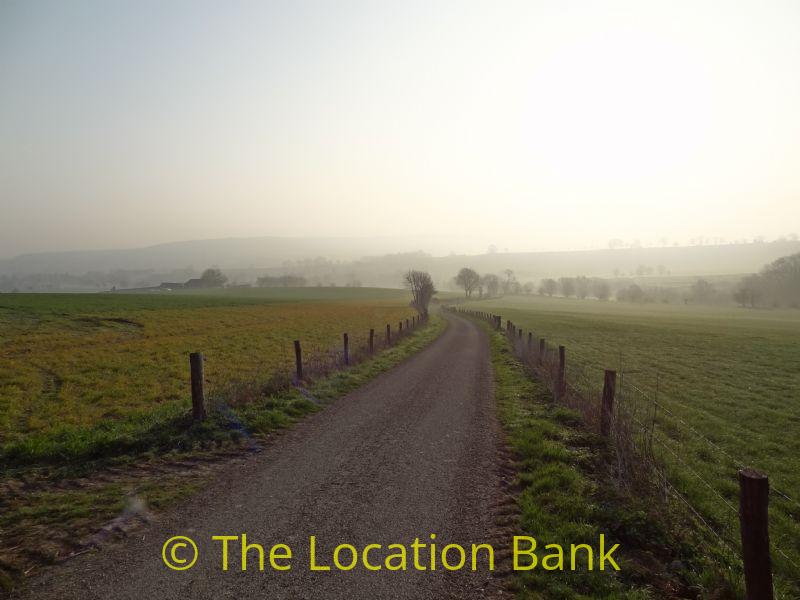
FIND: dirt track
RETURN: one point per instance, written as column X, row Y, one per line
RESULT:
column 411, row 453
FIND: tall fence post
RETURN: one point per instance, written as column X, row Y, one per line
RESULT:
column 561, row 386
column 298, row 360
column 754, row 525
column 530, row 341
column 607, row 407
column 388, row 335
column 542, row 349
column 198, row 395
column 399, row 329
column 346, row 349
column 406, row 324
column 371, row 341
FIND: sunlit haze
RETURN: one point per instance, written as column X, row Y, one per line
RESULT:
column 530, row 125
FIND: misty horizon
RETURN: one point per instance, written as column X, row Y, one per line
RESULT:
column 460, row 247
column 535, row 128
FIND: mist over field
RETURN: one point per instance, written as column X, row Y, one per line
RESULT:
column 375, row 262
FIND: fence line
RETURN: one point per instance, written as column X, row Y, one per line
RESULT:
column 635, row 460
column 310, row 364
column 737, row 462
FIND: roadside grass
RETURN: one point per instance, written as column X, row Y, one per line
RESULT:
column 153, row 463
column 729, row 374
column 44, row 523
column 566, row 496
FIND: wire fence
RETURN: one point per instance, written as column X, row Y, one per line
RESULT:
column 302, row 364
column 645, row 438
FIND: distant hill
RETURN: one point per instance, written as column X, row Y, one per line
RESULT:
column 381, row 261
column 733, row 259
column 229, row 253
column 676, row 260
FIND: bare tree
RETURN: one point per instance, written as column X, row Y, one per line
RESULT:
column 582, row 285
column 747, row 292
column 422, row 290
column 548, row 287
column 567, row 285
column 213, row 278
column 601, row 289
column 702, row 291
column 491, row 283
column 632, row 293
column 468, row 279
column 510, row 283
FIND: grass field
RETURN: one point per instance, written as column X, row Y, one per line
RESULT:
column 78, row 371
column 563, row 497
column 86, row 458
column 731, row 379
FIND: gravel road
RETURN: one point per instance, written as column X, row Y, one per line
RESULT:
column 411, row 453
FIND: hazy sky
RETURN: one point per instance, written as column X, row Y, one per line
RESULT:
column 551, row 124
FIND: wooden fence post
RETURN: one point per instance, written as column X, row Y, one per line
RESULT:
column 406, row 324
column 754, row 525
column 346, row 349
column 388, row 335
column 198, row 395
column 530, row 341
column 562, row 371
column 607, row 407
column 371, row 341
column 520, row 334
column 298, row 360
column 542, row 349
column 400, row 329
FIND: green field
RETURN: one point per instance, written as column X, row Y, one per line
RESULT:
column 79, row 371
column 94, row 397
column 729, row 377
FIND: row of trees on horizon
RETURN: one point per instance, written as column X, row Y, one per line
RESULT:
column 777, row 285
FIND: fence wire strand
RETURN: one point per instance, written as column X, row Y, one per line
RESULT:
column 631, row 401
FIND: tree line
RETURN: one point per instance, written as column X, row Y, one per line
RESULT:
column 777, row 285
column 489, row 285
